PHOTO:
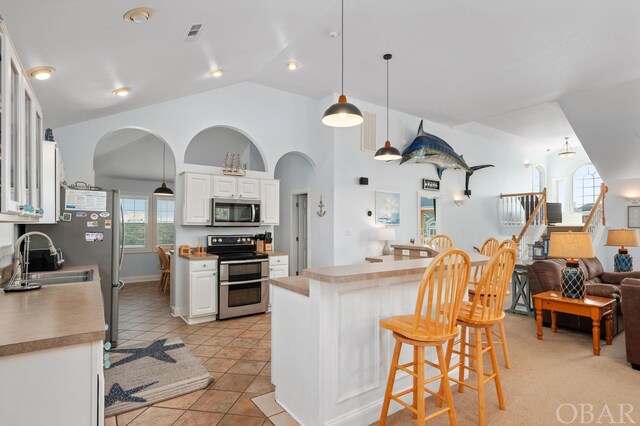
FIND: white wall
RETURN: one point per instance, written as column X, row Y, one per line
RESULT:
column 469, row 225
column 277, row 122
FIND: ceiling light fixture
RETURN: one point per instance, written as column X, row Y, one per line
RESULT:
column 216, row 73
column 41, row 73
column 342, row 113
column 387, row 152
column 293, row 65
column 122, row 91
column 566, row 150
column 163, row 190
column 138, row 15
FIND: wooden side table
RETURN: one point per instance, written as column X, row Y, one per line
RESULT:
column 591, row 306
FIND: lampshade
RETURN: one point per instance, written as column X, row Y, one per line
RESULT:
column 623, row 237
column 163, row 190
column 571, row 245
column 387, row 153
column 342, row 114
column 387, row 234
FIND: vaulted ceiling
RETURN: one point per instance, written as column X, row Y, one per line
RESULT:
column 497, row 62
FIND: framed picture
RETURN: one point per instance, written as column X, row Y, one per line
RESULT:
column 633, row 216
column 387, row 208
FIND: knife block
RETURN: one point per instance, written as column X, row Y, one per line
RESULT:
column 260, row 246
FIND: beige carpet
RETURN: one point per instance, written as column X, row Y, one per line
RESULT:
column 561, row 369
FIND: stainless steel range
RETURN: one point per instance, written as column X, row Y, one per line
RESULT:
column 243, row 275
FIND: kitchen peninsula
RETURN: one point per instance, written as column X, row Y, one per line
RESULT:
column 330, row 358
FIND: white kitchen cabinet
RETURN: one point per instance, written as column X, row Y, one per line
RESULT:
column 197, row 199
column 203, row 290
column 57, row 386
column 20, row 136
column 278, row 268
column 52, row 177
column 270, row 202
column 225, row 186
column 248, row 188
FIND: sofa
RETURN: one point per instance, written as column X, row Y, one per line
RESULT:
column 545, row 275
column 631, row 296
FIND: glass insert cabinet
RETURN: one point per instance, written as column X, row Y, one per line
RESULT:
column 21, row 132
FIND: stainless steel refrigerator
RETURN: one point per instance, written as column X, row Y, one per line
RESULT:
column 90, row 232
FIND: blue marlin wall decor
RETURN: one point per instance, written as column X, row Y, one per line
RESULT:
column 427, row 148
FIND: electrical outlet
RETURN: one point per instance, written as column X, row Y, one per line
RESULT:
column 348, row 231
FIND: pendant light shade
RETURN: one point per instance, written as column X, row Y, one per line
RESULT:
column 163, row 190
column 342, row 113
column 566, row 150
column 387, row 152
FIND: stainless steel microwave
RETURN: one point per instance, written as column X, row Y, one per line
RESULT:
column 232, row 212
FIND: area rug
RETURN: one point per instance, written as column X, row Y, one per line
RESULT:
column 145, row 373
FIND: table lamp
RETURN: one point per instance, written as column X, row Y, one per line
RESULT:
column 386, row 235
column 623, row 262
column 571, row 246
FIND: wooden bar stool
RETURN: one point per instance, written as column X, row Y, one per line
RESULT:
column 489, row 248
column 440, row 242
column 165, row 266
column 480, row 314
column 433, row 323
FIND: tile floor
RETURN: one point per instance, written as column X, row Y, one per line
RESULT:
column 236, row 352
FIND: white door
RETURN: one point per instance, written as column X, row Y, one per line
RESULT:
column 270, row 202
column 197, row 199
column 248, row 188
column 203, row 294
column 301, row 237
column 225, row 186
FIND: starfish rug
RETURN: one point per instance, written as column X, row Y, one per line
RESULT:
column 150, row 372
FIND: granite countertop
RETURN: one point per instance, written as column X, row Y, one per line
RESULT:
column 205, row 256
column 372, row 271
column 56, row 315
column 297, row 284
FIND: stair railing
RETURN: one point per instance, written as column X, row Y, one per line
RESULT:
column 523, row 209
column 596, row 215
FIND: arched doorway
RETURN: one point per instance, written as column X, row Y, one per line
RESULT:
column 296, row 172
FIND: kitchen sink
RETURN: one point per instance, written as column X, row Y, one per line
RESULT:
column 61, row 277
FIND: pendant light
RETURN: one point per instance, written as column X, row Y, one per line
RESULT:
column 387, row 152
column 342, row 114
column 163, row 190
column 566, row 150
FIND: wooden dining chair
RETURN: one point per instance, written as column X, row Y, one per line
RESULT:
column 481, row 314
column 165, row 266
column 432, row 324
column 440, row 242
column 509, row 243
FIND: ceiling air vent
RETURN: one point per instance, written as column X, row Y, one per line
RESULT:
column 368, row 132
column 193, row 32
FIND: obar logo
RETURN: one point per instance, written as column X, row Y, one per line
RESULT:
column 617, row 414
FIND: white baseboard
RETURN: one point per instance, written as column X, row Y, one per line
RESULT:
column 140, row 279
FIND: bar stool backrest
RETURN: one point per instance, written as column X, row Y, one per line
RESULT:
column 442, row 289
column 489, row 247
column 488, row 298
column 440, row 242
column 509, row 243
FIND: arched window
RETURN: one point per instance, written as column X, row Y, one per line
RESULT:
column 586, row 188
column 538, row 179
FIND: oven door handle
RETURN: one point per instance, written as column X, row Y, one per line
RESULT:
column 231, row 262
column 244, row 282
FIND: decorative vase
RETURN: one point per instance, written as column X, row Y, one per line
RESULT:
column 572, row 281
column 622, row 262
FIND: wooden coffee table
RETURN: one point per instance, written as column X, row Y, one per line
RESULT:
column 591, row 306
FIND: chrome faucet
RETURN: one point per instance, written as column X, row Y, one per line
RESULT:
column 20, row 278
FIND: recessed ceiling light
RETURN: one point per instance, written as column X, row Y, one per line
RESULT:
column 138, row 15
column 216, row 73
column 122, row 91
column 41, row 73
column 293, row 65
